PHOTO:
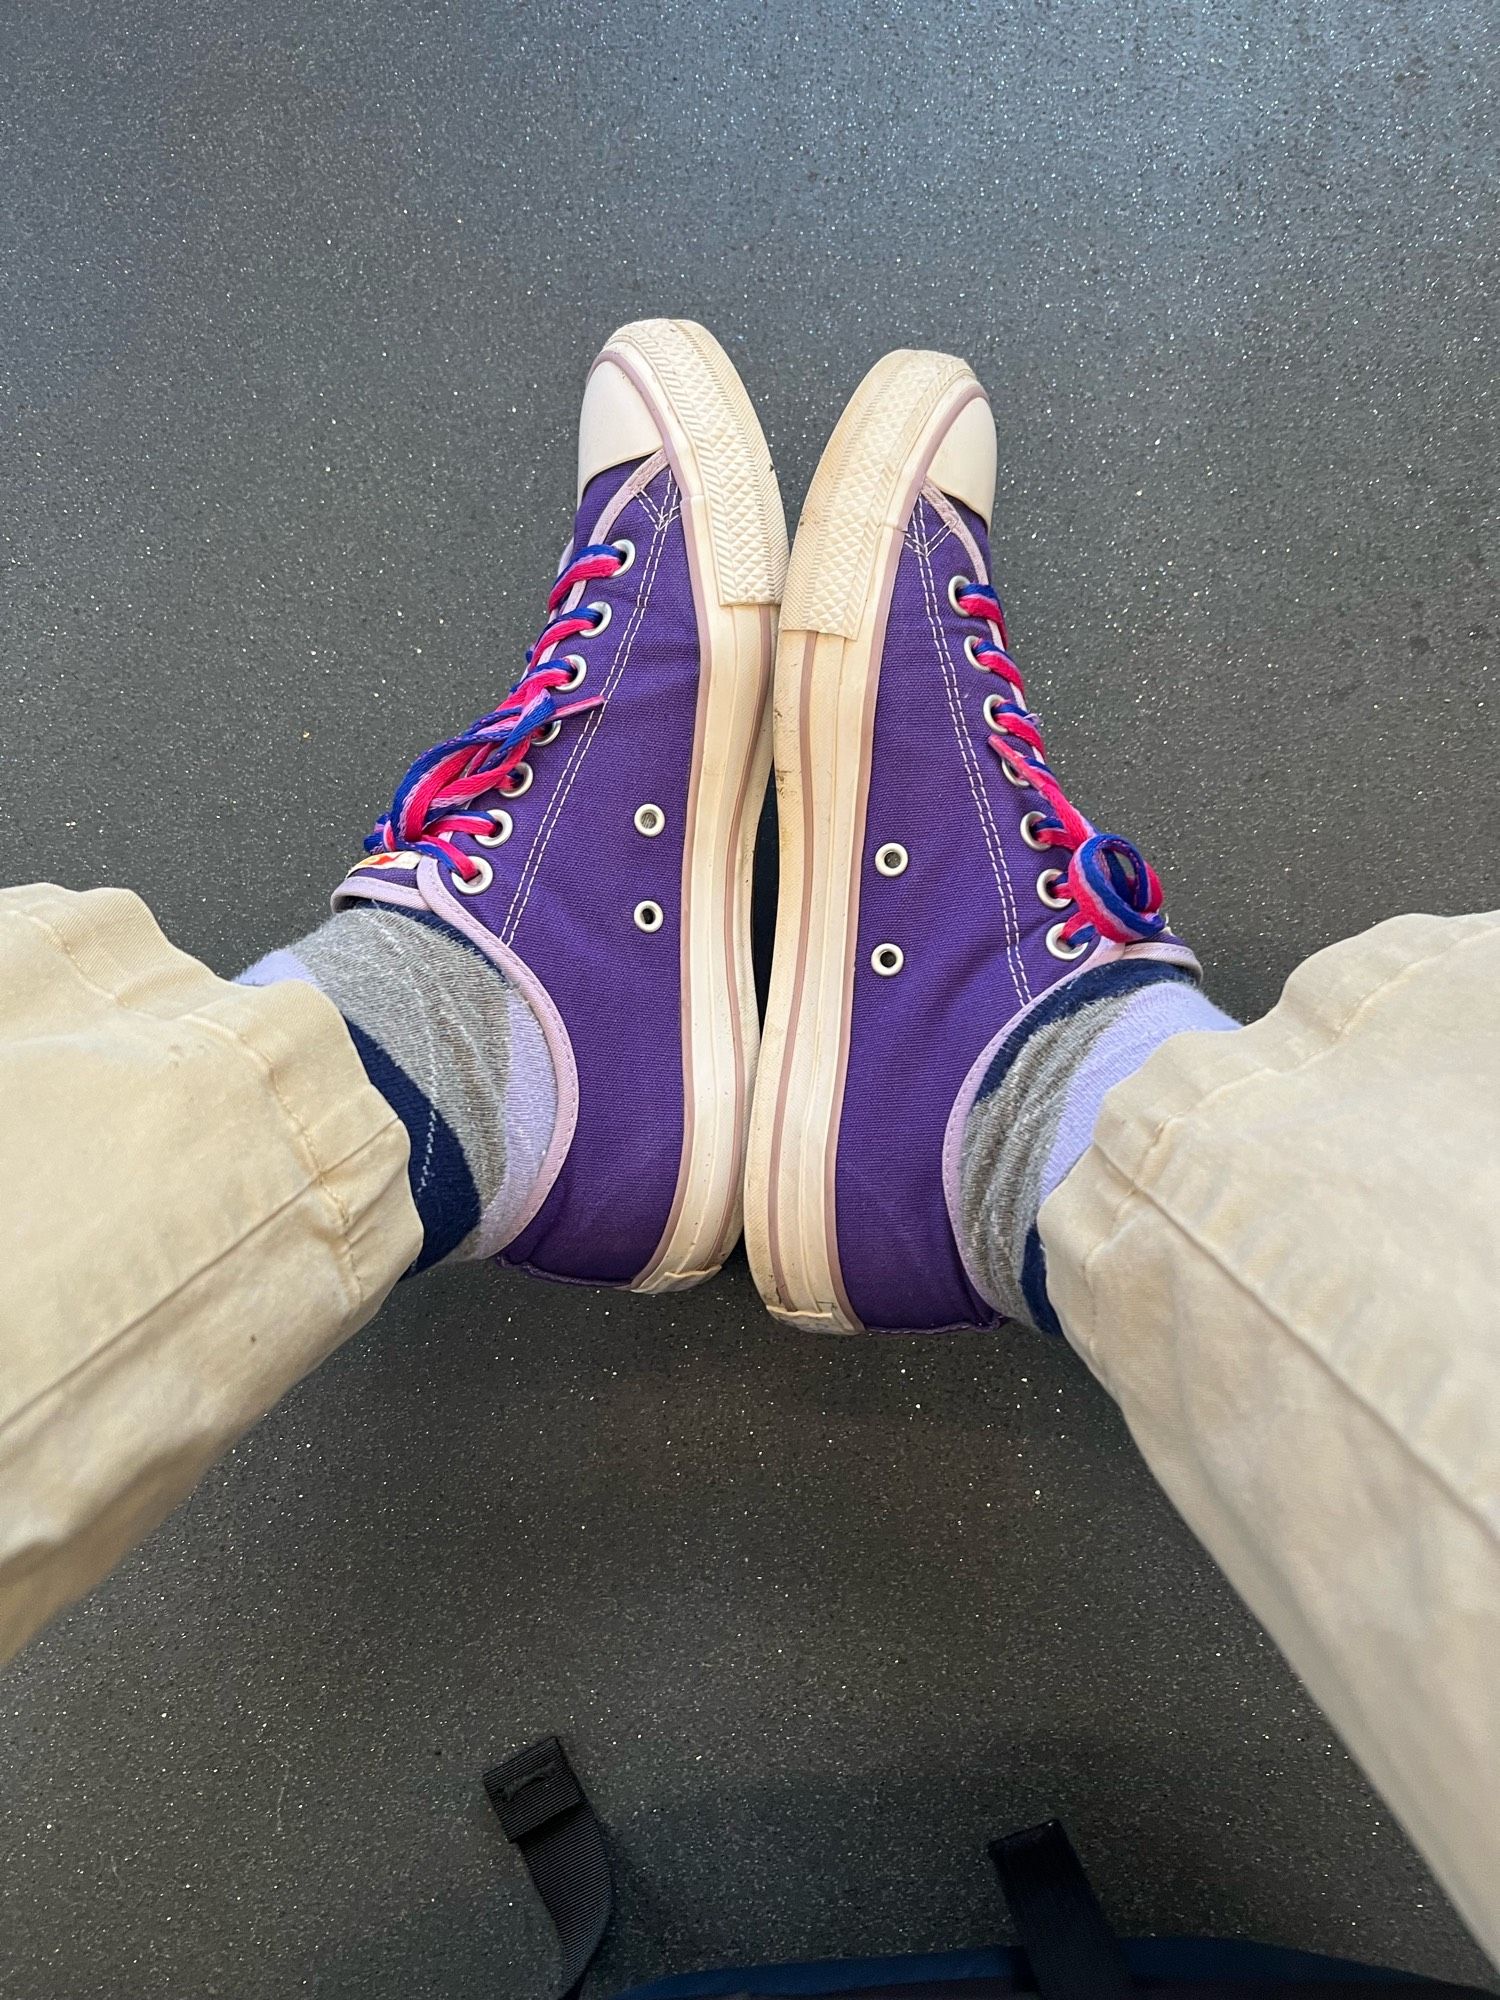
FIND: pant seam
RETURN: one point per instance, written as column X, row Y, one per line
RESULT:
column 1137, row 1189
column 1170, row 1123
column 230, row 1037
column 80, row 1368
column 1294, row 1334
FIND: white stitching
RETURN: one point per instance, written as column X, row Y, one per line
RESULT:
column 927, row 523
column 664, row 515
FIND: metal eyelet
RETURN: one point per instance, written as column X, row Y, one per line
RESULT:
column 602, row 614
column 970, row 645
column 1046, row 888
column 504, row 826
column 626, row 548
column 650, row 820
column 580, row 667
column 993, row 703
column 1030, row 824
column 1059, row 946
column 891, row 859
column 957, row 585
column 548, row 733
column 649, row 917
column 887, row 960
column 1014, row 778
column 476, row 884
column 518, row 782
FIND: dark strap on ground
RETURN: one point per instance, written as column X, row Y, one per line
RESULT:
column 542, row 1808
column 1074, row 1954
column 1175, row 1989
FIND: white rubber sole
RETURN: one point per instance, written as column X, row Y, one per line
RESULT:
column 737, row 547
column 833, row 617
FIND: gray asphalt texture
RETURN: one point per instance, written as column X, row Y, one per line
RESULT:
column 297, row 301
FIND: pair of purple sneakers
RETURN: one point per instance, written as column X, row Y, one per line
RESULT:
column 594, row 835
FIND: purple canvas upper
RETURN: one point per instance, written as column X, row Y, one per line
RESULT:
column 568, row 881
column 966, row 914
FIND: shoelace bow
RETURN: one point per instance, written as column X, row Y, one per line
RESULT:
column 1114, row 889
column 435, row 800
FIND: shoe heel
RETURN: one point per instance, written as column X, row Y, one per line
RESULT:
column 826, row 678
column 737, row 542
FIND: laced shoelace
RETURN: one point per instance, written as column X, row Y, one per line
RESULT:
column 1113, row 888
column 436, row 799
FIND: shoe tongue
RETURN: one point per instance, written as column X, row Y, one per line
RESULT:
column 383, row 878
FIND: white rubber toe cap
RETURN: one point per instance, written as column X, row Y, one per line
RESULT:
column 964, row 467
column 615, row 425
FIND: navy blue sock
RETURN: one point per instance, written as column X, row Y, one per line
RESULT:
column 446, row 1199
column 455, row 1051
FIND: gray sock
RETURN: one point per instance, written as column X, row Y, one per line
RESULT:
column 1036, row 1110
column 458, row 1053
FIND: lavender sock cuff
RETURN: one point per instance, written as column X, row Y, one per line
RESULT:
column 1037, row 1107
column 1139, row 1027
column 275, row 967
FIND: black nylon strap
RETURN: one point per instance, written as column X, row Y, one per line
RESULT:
column 1073, row 1952
column 542, row 1808
column 1174, row 1989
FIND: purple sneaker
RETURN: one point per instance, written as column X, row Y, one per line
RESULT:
column 936, row 883
column 593, row 834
